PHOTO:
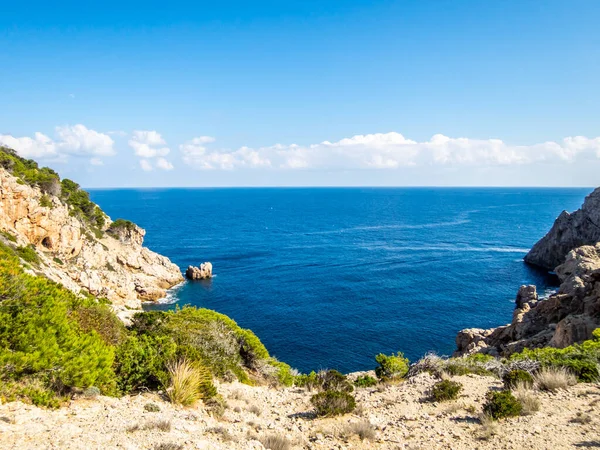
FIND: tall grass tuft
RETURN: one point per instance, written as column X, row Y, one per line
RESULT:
column 554, row 378
column 189, row 383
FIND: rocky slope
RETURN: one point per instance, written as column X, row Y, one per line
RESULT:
column 568, row 232
column 114, row 265
column 396, row 416
column 564, row 318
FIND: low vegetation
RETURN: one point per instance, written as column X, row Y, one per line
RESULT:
column 365, row 381
column 554, row 378
column 445, row 390
column 500, row 405
column 333, row 403
column 392, row 367
column 513, row 377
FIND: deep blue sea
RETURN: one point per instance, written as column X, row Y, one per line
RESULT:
column 329, row 277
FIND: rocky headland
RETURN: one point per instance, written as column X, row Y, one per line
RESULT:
column 109, row 262
column 569, row 316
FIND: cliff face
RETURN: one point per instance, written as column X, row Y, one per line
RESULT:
column 568, row 232
column 115, row 265
column 570, row 315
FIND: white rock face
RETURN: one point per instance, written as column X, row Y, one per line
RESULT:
column 118, row 268
column 203, row 272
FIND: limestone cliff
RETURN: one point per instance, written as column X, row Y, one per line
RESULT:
column 568, row 232
column 112, row 265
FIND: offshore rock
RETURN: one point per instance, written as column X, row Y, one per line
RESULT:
column 203, row 272
column 118, row 268
column 569, row 231
column 526, row 295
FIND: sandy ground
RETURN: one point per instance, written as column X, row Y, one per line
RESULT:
column 400, row 416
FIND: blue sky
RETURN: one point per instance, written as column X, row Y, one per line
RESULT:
column 305, row 93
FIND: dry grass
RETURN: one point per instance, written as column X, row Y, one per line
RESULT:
column 363, row 429
column 530, row 402
column 553, row 379
column 185, row 383
column 275, row 442
column 489, row 427
column 161, row 424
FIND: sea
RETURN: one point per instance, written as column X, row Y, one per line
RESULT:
column 329, row 277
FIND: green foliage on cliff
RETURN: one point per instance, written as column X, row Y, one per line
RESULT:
column 50, row 183
column 582, row 360
column 121, row 224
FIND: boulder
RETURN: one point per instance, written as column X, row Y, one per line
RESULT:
column 527, row 295
column 202, row 272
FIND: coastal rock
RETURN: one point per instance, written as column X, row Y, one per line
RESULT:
column 202, row 272
column 564, row 318
column 527, row 295
column 568, row 232
column 117, row 267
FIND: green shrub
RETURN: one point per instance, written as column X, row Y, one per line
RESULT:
column 445, row 390
column 28, row 254
column 332, row 380
column 29, row 390
column 9, row 236
column 215, row 341
column 141, row 362
column 57, row 260
column 391, row 367
column 310, row 381
column 45, row 201
column 102, row 320
column 333, row 403
column 501, row 404
column 365, row 381
column 513, row 377
column 39, row 338
column 121, row 224
column 580, row 359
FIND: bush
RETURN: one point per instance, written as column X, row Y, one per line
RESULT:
column 39, row 338
column 275, row 442
column 445, row 390
column 45, row 201
column 310, row 381
column 141, row 362
column 215, row 341
column 391, row 367
column 526, row 396
column 580, row 359
column 121, row 224
column 365, row 381
column 332, row 380
column 102, row 320
column 513, row 377
column 28, row 254
column 502, row 404
column 333, row 403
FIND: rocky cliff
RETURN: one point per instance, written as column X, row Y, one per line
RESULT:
column 111, row 264
column 566, row 317
column 568, row 232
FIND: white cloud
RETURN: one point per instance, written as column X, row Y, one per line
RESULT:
column 388, row 151
column 146, row 165
column 148, row 144
column 96, row 162
column 163, row 164
column 70, row 140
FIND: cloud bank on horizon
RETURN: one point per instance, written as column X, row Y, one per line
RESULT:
column 378, row 151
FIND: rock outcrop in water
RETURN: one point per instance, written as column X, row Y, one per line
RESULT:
column 202, row 272
column 568, row 232
column 566, row 317
column 117, row 267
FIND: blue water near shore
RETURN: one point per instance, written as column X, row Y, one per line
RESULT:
column 327, row 278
